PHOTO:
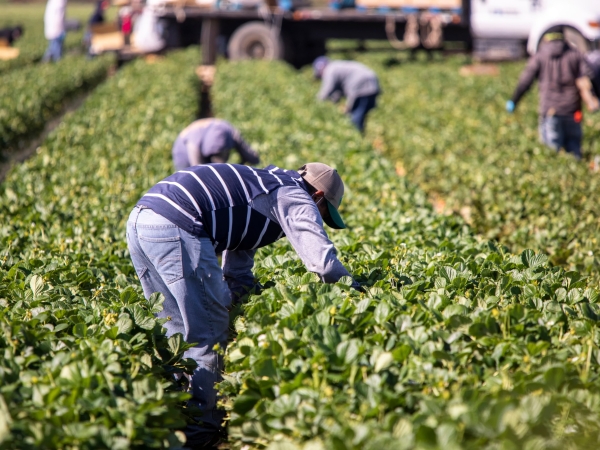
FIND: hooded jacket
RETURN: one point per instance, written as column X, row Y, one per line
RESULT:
column 349, row 78
column 556, row 66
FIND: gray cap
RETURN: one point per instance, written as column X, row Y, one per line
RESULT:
column 326, row 179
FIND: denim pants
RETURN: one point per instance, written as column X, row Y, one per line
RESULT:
column 562, row 132
column 185, row 269
column 54, row 50
column 362, row 105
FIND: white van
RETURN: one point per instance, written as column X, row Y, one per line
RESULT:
column 528, row 20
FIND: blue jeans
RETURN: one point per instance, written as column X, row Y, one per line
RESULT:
column 562, row 132
column 55, row 49
column 362, row 105
column 185, row 269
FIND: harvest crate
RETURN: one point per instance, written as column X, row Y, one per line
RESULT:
column 8, row 52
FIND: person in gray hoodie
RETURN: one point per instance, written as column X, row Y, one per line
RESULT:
column 563, row 75
column 210, row 141
column 350, row 79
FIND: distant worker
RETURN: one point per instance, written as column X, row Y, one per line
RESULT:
column 9, row 35
column 149, row 32
column 97, row 18
column 210, row 141
column 350, row 79
column 564, row 78
column 54, row 29
column 176, row 229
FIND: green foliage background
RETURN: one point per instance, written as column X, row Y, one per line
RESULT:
column 457, row 343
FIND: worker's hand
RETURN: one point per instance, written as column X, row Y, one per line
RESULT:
column 510, row 106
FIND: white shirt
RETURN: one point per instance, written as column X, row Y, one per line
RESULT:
column 54, row 18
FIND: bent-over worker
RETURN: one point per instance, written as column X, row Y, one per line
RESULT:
column 350, row 79
column 177, row 228
column 210, row 141
column 563, row 75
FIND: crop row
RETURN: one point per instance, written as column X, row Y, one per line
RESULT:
column 32, row 44
column 452, row 136
column 456, row 344
column 84, row 364
column 30, row 96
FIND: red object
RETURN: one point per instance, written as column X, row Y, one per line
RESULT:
column 578, row 116
column 126, row 25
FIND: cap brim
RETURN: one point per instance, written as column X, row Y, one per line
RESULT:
column 334, row 220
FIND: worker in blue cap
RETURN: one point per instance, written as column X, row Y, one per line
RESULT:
column 350, row 79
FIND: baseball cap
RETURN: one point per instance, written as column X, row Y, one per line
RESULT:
column 319, row 65
column 326, row 179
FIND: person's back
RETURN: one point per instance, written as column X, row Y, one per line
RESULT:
column 352, row 78
column 54, row 18
column 355, row 81
column 210, row 141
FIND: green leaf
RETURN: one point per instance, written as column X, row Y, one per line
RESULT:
column 384, row 360
column 37, row 285
column 124, row 324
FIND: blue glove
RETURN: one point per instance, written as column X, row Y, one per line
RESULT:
column 510, row 106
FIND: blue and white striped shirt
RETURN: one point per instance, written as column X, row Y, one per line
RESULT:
column 214, row 200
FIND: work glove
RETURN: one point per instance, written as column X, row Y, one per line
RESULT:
column 510, row 106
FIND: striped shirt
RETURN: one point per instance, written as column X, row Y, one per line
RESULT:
column 214, row 200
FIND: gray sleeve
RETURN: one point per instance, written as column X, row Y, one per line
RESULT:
column 300, row 220
column 247, row 153
column 328, row 85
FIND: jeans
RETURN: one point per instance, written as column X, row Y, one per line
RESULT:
column 362, row 105
column 562, row 132
column 185, row 269
column 54, row 50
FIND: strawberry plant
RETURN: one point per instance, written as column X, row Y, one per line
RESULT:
column 452, row 136
column 456, row 344
column 30, row 96
column 83, row 361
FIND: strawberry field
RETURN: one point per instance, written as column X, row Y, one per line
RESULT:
column 33, row 43
column 475, row 331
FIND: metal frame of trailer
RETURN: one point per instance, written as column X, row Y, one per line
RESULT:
column 300, row 35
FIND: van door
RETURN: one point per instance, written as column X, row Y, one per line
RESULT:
column 507, row 19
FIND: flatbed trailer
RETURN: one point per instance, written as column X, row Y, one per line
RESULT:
column 299, row 36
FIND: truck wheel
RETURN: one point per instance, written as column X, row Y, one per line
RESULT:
column 255, row 40
column 576, row 40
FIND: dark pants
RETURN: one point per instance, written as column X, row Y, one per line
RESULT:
column 562, row 132
column 362, row 105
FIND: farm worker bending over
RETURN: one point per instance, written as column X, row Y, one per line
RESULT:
column 210, row 141
column 54, row 29
column 176, row 230
column 355, row 81
column 564, row 77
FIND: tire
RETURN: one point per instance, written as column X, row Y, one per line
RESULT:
column 576, row 40
column 255, row 40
